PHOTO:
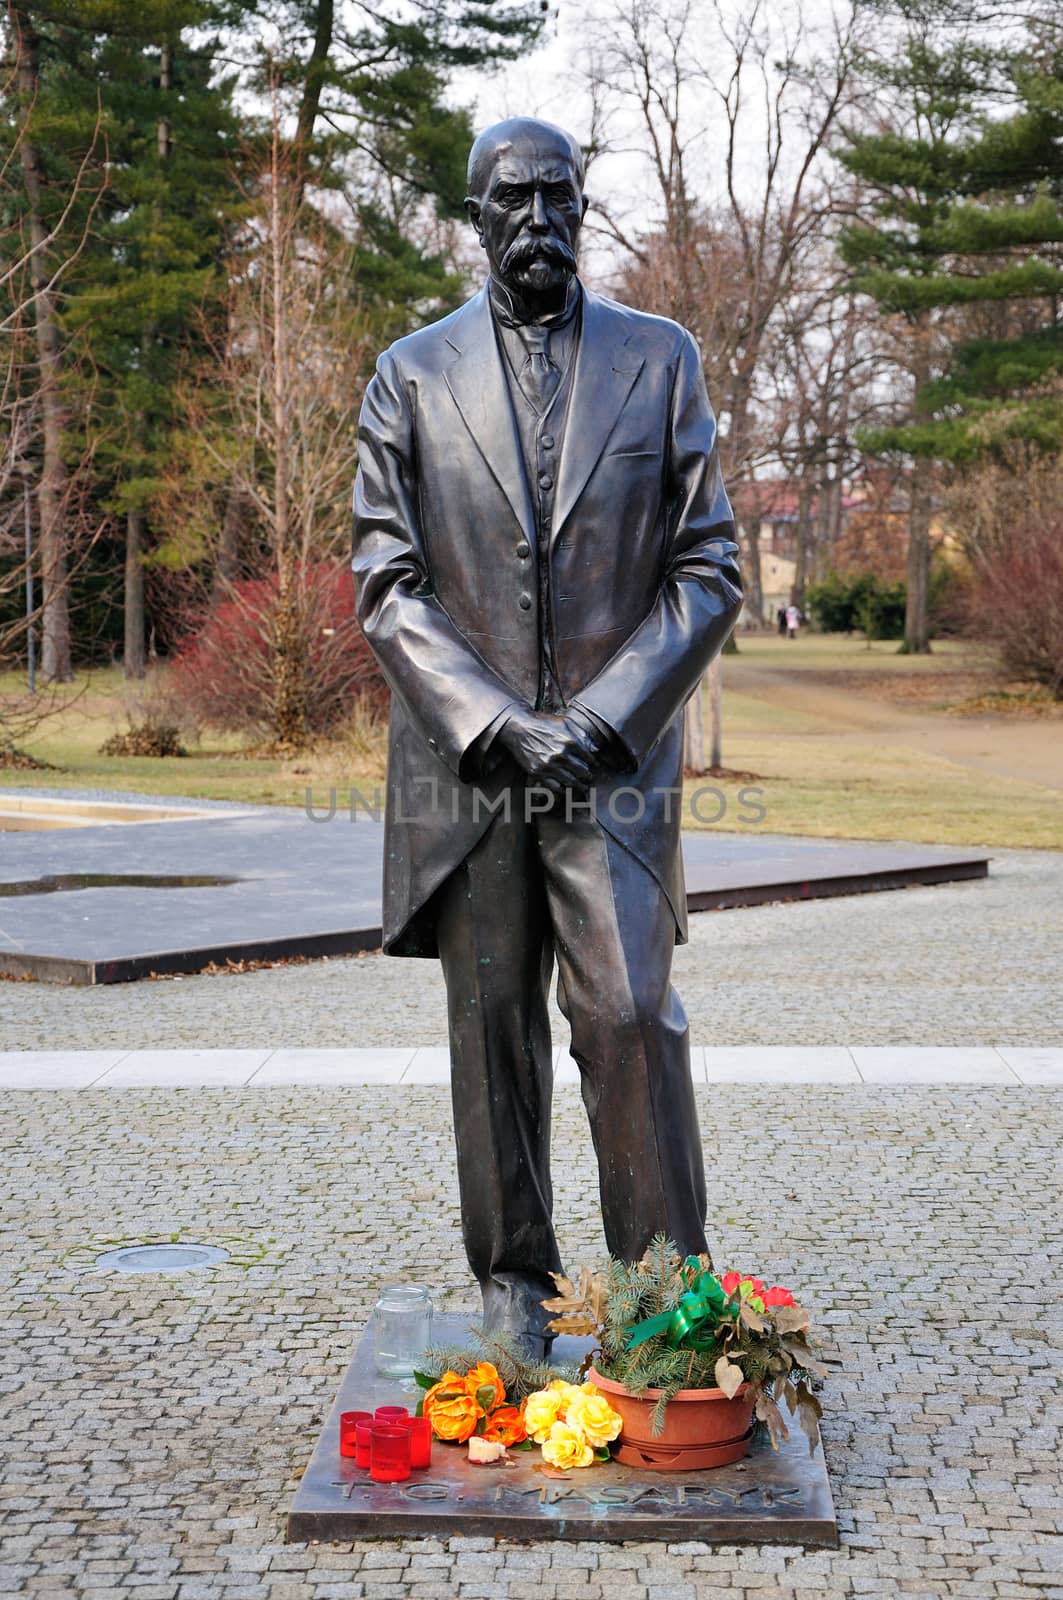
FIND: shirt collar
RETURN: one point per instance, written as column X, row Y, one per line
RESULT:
column 506, row 313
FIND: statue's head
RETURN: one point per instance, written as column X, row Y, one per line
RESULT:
column 527, row 204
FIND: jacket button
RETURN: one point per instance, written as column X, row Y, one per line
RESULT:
column 525, row 602
column 523, row 550
column 547, row 441
column 546, row 481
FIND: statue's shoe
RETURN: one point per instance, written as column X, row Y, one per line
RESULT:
column 514, row 1306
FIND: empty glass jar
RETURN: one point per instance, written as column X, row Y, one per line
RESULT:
column 402, row 1325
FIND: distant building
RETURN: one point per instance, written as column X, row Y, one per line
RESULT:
column 872, row 535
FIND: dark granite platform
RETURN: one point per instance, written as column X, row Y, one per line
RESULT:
column 312, row 888
column 771, row 1497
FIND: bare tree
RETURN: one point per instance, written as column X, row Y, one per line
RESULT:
column 731, row 116
column 825, row 370
column 44, row 260
column 271, row 426
column 45, row 528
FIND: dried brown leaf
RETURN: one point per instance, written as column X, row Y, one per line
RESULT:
column 574, row 1322
column 562, row 1284
column 790, row 1319
column 803, row 1357
column 809, row 1412
column 752, row 1319
column 729, row 1377
column 768, row 1412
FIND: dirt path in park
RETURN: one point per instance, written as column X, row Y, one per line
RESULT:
column 1026, row 748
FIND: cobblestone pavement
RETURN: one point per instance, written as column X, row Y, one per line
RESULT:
column 153, row 1427
column 957, row 964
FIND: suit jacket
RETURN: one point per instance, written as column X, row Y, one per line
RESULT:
column 643, row 580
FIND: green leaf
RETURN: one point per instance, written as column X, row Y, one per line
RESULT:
column 485, row 1396
column 603, row 1453
column 423, row 1381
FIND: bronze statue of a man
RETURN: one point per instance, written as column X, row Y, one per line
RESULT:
column 544, row 562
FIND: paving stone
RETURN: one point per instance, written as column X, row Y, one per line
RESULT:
column 915, row 1222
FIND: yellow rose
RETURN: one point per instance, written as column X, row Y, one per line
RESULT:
column 565, row 1448
column 591, row 1416
column 565, row 1390
column 541, row 1411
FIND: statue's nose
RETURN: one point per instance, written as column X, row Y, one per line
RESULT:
column 538, row 219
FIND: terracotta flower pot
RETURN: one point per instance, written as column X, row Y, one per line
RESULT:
column 702, row 1427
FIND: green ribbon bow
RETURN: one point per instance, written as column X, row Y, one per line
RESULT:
column 701, row 1306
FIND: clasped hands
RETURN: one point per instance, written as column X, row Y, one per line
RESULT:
column 557, row 752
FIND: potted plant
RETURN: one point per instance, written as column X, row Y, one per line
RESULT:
column 690, row 1358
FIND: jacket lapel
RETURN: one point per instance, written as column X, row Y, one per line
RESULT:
column 479, row 389
column 604, row 377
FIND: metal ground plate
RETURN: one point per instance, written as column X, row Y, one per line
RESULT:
column 285, row 886
column 770, row 1497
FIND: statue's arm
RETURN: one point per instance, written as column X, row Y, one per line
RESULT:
column 649, row 679
column 449, row 691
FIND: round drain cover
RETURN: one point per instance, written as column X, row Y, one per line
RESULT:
column 162, row 1257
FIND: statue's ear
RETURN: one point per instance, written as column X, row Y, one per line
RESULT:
column 586, row 203
column 473, row 212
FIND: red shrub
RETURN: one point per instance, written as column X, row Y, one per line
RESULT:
column 257, row 667
column 1017, row 601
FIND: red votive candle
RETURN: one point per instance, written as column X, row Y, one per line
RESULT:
column 391, row 1414
column 349, row 1420
column 363, row 1439
column 420, row 1431
column 390, row 1460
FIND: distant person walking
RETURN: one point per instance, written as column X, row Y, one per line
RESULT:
column 793, row 621
column 780, row 619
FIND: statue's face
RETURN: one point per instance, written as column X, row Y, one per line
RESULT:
column 529, row 215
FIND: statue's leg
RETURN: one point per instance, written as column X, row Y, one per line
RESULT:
column 614, row 936
column 493, row 933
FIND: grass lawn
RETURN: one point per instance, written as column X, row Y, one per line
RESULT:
column 845, row 742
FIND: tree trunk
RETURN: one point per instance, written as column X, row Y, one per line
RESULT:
column 51, row 487
column 694, row 731
column 227, row 561
column 134, row 656
column 753, row 615
column 715, row 714
column 917, row 603
column 803, row 563
column 314, row 78
column 289, row 683
column 917, row 600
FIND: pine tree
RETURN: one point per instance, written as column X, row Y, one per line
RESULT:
column 155, row 280
column 369, row 92
column 965, row 243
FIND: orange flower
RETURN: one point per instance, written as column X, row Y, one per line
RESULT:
column 506, row 1425
column 484, row 1376
column 451, row 1408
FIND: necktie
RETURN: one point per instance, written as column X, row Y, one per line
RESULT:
column 539, row 376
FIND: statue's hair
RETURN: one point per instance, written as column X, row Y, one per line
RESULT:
column 501, row 135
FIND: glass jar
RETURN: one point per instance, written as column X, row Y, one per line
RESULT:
column 402, row 1327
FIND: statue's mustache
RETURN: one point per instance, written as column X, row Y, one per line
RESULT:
column 529, row 247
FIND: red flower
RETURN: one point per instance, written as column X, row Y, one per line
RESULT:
column 778, row 1296
column 730, row 1281
column 506, row 1425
